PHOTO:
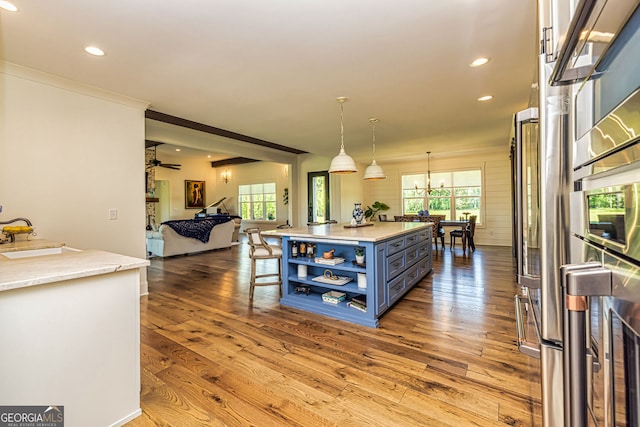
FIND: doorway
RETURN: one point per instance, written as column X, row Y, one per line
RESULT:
column 318, row 196
column 163, row 212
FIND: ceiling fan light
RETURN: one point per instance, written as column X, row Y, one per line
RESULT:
column 342, row 163
column 374, row 172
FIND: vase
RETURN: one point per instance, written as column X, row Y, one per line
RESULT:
column 302, row 271
column 358, row 213
column 362, row 281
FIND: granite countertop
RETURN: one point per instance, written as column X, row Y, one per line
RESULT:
column 38, row 270
column 379, row 231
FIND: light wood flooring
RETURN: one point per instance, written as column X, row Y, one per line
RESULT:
column 444, row 355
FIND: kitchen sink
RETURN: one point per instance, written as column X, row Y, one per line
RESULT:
column 38, row 252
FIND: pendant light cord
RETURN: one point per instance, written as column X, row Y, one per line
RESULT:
column 374, row 140
column 342, row 125
column 429, row 172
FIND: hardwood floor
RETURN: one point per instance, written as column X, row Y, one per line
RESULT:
column 444, row 355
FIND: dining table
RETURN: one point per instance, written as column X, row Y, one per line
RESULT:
column 457, row 223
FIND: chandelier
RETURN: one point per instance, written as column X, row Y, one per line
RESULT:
column 428, row 189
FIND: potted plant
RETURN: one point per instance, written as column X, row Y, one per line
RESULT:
column 359, row 254
column 371, row 211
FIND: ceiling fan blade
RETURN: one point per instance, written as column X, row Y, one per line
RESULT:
column 168, row 166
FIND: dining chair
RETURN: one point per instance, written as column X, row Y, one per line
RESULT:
column 438, row 230
column 471, row 231
column 465, row 233
column 261, row 250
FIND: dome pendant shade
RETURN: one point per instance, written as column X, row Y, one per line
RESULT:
column 342, row 163
column 374, row 171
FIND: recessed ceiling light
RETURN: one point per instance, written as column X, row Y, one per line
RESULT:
column 478, row 62
column 485, row 98
column 8, row 6
column 177, row 149
column 208, row 156
column 94, row 50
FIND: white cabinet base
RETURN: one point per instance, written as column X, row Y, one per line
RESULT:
column 74, row 343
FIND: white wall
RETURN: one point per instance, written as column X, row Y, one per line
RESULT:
column 255, row 173
column 496, row 227
column 196, row 170
column 348, row 189
column 69, row 153
column 216, row 188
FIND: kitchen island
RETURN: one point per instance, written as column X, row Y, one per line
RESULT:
column 397, row 256
column 70, row 331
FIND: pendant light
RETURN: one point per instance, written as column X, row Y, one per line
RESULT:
column 342, row 163
column 428, row 172
column 374, row 171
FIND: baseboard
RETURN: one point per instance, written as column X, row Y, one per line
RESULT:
column 128, row 418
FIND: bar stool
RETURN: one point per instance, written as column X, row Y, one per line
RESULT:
column 259, row 249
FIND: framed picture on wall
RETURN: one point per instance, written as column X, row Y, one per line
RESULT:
column 194, row 194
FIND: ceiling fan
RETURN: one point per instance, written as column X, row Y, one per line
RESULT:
column 155, row 162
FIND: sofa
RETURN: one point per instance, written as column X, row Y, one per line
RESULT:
column 195, row 237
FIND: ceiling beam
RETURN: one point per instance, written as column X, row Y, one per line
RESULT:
column 232, row 161
column 178, row 121
column 150, row 144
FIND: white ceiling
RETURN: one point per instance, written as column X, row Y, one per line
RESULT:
column 273, row 69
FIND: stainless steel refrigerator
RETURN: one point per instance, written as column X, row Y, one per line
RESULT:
column 577, row 232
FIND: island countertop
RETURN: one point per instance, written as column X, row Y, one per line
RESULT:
column 377, row 232
column 32, row 271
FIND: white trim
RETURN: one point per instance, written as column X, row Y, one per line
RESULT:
column 41, row 77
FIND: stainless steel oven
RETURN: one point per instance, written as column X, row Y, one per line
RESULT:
column 603, row 336
column 606, row 229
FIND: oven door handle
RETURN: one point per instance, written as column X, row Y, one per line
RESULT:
column 525, row 346
column 580, row 282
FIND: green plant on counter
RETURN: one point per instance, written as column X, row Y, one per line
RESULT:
column 372, row 211
column 359, row 250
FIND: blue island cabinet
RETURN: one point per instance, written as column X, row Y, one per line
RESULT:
column 392, row 267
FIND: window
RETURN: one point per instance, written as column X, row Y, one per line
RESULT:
column 258, row 201
column 453, row 194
